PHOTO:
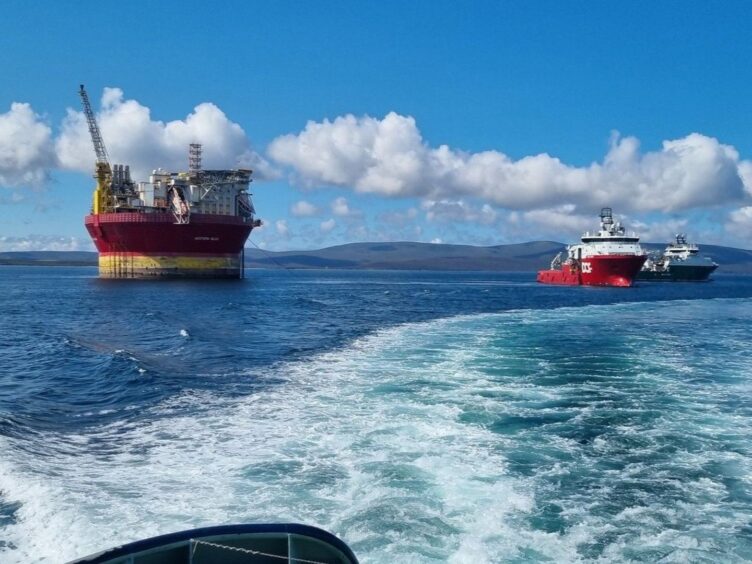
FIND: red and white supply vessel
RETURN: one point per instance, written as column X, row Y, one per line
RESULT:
column 609, row 257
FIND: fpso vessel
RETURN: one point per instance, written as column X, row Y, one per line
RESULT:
column 178, row 225
column 608, row 257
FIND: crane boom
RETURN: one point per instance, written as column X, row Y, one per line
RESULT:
column 103, row 196
column 96, row 136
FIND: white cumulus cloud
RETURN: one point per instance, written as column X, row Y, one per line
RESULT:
column 133, row 137
column 739, row 224
column 559, row 219
column 44, row 243
column 389, row 157
column 745, row 171
column 664, row 230
column 282, row 228
column 398, row 217
column 564, row 224
column 13, row 196
column 340, row 207
column 328, row 225
column 303, row 209
column 458, row 211
column 26, row 151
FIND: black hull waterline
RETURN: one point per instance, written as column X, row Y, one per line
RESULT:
column 678, row 273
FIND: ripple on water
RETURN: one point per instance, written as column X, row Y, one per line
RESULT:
column 482, row 438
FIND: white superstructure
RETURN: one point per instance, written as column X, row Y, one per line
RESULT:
column 679, row 252
column 611, row 239
column 220, row 192
column 199, row 191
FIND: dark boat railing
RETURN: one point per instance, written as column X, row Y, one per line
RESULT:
column 291, row 543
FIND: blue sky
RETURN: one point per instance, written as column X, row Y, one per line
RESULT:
column 547, row 110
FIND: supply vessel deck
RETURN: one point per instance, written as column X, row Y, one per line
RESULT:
column 190, row 224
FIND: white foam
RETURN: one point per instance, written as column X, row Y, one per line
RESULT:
column 369, row 441
column 334, row 437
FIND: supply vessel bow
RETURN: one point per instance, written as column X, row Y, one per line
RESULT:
column 608, row 257
column 190, row 224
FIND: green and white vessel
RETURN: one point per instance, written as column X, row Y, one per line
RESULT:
column 679, row 262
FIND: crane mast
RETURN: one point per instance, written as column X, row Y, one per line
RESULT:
column 96, row 136
column 103, row 196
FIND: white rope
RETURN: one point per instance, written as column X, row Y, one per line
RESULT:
column 254, row 552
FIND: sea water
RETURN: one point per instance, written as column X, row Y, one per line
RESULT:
column 422, row 417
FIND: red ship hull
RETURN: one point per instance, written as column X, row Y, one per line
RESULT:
column 601, row 270
column 153, row 245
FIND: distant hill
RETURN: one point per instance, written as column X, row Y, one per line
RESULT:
column 398, row 256
column 412, row 256
column 427, row 256
column 49, row 258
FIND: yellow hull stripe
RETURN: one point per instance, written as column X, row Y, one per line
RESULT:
column 122, row 265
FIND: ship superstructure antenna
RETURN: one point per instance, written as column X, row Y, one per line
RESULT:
column 194, row 158
column 103, row 192
column 607, row 217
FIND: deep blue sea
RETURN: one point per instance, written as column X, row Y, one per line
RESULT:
column 422, row 417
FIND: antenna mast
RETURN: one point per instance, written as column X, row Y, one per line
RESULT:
column 194, row 158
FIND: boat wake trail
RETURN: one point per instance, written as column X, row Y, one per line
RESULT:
column 565, row 435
